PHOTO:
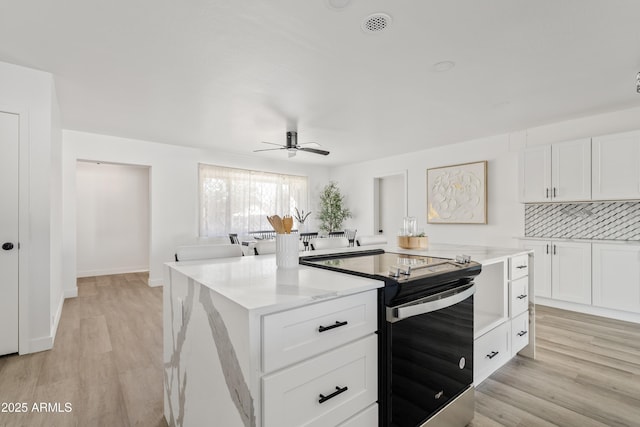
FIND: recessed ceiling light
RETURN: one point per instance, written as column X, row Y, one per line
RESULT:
column 337, row 4
column 376, row 23
column 443, row 66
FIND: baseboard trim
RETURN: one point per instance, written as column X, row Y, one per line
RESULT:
column 56, row 320
column 40, row 344
column 155, row 282
column 71, row 293
column 110, row 271
column 588, row 309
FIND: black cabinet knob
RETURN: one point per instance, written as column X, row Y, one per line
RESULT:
column 7, row 246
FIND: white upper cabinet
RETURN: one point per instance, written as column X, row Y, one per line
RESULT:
column 616, row 166
column 556, row 173
column 616, row 276
column 571, row 170
column 535, row 174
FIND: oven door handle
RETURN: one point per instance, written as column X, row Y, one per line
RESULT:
column 432, row 303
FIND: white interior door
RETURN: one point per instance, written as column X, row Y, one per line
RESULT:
column 9, row 125
column 392, row 205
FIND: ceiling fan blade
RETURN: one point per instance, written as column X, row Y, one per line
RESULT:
column 270, row 149
column 271, row 143
column 313, row 150
column 315, row 144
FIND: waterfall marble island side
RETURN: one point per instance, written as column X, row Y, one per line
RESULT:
column 242, row 348
column 235, row 328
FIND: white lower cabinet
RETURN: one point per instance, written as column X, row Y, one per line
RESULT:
column 325, row 390
column 518, row 296
column 616, row 276
column 571, row 272
column 562, row 269
column 366, row 418
column 519, row 332
column 320, row 364
column 501, row 305
column 490, row 352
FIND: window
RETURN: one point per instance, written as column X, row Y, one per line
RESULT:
column 239, row 200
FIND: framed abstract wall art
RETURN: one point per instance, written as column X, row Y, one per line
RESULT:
column 457, row 194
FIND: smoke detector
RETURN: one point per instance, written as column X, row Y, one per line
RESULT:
column 376, row 23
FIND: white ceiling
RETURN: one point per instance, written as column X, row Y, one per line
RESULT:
column 229, row 74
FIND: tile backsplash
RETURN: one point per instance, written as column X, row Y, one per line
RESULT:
column 595, row 220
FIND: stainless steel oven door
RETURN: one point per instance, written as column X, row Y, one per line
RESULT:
column 429, row 355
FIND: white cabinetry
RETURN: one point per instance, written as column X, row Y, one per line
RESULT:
column 616, row 166
column 556, row 173
column 320, row 362
column 502, row 298
column 616, row 276
column 562, row 270
column 571, row 272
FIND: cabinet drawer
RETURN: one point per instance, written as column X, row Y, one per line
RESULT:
column 490, row 351
column 366, row 418
column 519, row 332
column 518, row 266
column 291, row 336
column 519, row 296
column 292, row 396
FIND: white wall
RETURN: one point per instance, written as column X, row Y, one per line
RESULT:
column 505, row 214
column 174, row 189
column 112, row 218
column 31, row 94
column 57, row 294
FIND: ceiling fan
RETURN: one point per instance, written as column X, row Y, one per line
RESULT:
column 293, row 147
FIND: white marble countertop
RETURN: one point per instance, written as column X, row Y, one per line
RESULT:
column 256, row 284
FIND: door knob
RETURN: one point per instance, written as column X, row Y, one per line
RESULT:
column 7, row 246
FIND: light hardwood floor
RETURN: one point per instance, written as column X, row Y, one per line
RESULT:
column 107, row 362
column 586, row 373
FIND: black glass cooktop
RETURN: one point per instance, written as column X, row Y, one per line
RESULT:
column 380, row 264
column 405, row 276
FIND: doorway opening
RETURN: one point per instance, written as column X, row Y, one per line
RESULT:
column 112, row 218
column 390, row 203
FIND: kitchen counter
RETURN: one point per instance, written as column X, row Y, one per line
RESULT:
column 217, row 341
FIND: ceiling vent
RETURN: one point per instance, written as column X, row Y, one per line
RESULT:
column 376, row 23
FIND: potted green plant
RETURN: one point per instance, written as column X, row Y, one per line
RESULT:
column 332, row 210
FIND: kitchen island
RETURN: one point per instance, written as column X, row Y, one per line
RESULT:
column 246, row 344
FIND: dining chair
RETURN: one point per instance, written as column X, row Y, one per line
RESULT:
column 371, row 240
column 335, row 242
column 351, row 236
column 214, row 240
column 336, row 233
column 306, row 237
column 264, row 247
column 204, row 252
column 234, row 238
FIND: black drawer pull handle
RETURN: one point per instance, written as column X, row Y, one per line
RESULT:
column 492, row 354
column 339, row 390
column 335, row 325
column 521, row 267
column 523, row 296
column 522, row 333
